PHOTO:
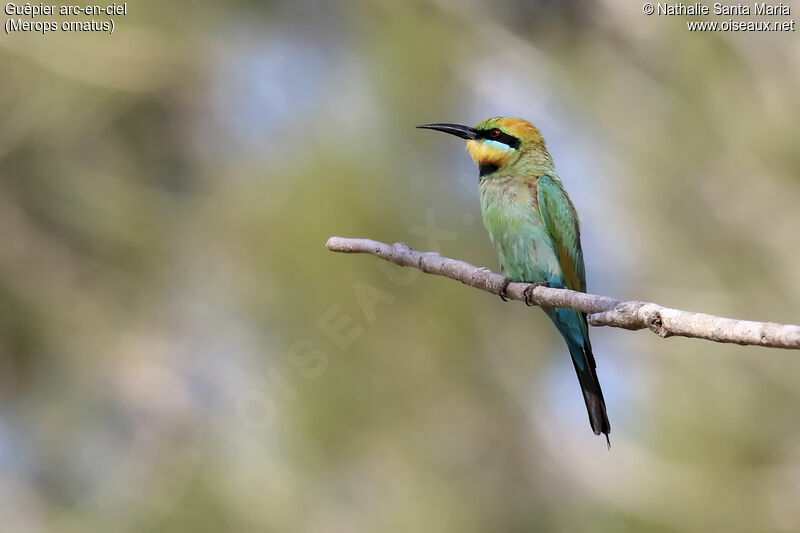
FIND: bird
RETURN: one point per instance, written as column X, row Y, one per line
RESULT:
column 534, row 226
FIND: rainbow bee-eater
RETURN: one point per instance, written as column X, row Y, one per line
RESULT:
column 534, row 226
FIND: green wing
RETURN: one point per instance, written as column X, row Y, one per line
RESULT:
column 561, row 222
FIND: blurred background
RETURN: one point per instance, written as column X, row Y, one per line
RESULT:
column 179, row 352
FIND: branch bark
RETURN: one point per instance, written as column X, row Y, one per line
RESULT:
column 601, row 310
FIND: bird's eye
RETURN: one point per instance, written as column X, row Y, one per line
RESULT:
column 494, row 134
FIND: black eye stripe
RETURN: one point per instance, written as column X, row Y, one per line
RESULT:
column 504, row 137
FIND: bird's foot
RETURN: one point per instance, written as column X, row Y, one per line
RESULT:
column 530, row 287
column 503, row 288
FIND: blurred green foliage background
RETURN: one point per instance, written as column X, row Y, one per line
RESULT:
column 179, row 352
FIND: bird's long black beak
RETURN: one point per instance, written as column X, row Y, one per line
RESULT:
column 465, row 132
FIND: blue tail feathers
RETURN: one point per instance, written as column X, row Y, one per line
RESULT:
column 573, row 327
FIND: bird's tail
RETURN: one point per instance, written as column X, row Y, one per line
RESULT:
column 573, row 327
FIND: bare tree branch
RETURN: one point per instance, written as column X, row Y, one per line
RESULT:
column 602, row 310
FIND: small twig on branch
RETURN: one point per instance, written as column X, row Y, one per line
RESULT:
column 601, row 310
